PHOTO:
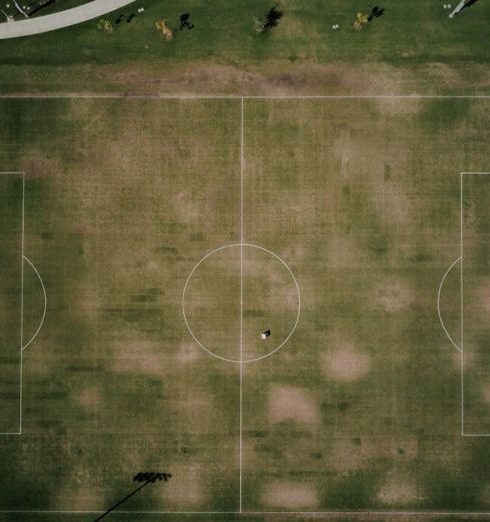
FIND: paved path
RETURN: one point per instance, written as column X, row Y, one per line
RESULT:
column 77, row 15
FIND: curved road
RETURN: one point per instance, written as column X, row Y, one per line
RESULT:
column 77, row 15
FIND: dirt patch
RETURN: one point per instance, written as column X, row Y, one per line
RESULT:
column 38, row 167
column 78, row 498
column 39, row 366
column 344, row 151
column 398, row 107
column 356, row 453
column 485, row 393
column 403, row 448
column 197, row 412
column 294, row 253
column 88, row 397
column 303, row 77
column 484, row 296
column 393, row 205
column 346, row 252
column 345, row 364
column 187, row 353
column 138, row 357
column 292, row 495
column 394, row 295
column 86, row 300
column 186, row 208
column 469, row 359
column 186, row 488
column 347, row 456
column 288, row 403
column 398, row 491
column 485, row 496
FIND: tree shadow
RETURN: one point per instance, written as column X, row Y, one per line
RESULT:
column 375, row 13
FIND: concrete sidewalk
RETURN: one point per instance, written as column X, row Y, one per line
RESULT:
column 77, row 15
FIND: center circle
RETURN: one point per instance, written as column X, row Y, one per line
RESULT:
column 236, row 293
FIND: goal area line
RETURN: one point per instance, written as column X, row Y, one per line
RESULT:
column 462, row 336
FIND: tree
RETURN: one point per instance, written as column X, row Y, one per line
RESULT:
column 105, row 25
column 361, row 20
column 164, row 30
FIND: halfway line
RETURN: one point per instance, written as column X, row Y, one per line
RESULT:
column 241, row 299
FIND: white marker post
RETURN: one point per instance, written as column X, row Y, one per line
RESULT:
column 266, row 334
column 457, row 9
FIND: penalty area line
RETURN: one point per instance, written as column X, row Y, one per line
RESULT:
column 462, row 176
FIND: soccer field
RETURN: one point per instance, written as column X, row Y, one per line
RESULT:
column 147, row 244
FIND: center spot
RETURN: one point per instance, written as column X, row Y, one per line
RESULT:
column 235, row 294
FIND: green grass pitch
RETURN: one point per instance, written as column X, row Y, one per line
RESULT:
column 358, row 411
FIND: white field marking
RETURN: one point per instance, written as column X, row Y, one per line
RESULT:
column 62, row 512
column 461, row 305
column 242, row 170
column 355, row 514
column 352, row 514
column 463, row 434
column 462, row 391
column 219, row 249
column 439, row 304
column 241, row 303
column 235, row 97
column 45, row 304
column 21, row 302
